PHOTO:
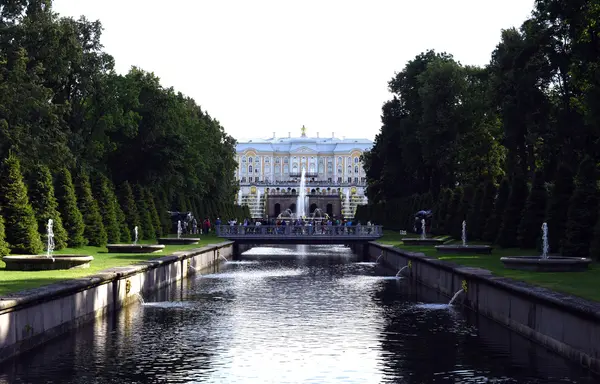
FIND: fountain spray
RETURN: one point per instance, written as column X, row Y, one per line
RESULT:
column 50, row 235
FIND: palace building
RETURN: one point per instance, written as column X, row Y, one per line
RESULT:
column 269, row 173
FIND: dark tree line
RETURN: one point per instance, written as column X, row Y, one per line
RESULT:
column 523, row 132
column 79, row 140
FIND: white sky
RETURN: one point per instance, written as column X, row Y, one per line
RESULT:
column 262, row 66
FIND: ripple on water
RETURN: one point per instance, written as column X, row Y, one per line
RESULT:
column 296, row 320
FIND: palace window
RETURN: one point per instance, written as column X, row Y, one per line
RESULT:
column 295, row 168
column 356, row 160
column 268, row 169
column 285, row 160
column 312, row 168
column 321, row 168
column 356, row 179
column 243, row 179
column 267, row 159
column 356, row 169
column 339, row 179
column 349, row 179
column 286, row 168
column 249, row 169
column 339, row 160
column 277, row 160
column 244, row 159
column 340, row 170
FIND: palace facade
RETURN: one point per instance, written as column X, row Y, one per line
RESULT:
column 269, row 173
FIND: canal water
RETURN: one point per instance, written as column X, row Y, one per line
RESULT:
column 298, row 314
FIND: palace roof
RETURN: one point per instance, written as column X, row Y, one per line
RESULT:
column 305, row 144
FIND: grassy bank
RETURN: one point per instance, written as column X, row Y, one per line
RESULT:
column 13, row 281
column 582, row 284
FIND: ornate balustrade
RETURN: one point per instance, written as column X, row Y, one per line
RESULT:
column 291, row 233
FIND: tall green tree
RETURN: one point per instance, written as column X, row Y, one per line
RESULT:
column 493, row 223
column 45, row 205
column 21, row 226
column 129, row 207
column 4, row 247
column 533, row 215
column 94, row 232
column 69, row 211
column 507, row 236
column 583, row 211
column 147, row 227
column 107, row 205
column 558, row 206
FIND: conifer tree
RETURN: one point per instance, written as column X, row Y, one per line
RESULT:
column 492, row 225
column 487, row 208
column 21, row 229
column 107, row 204
column 507, row 236
column 94, row 231
column 129, row 207
column 45, row 205
column 463, row 209
column 533, row 214
column 4, row 248
column 473, row 218
column 125, row 233
column 69, row 211
column 442, row 210
column 558, row 206
column 583, row 211
column 156, row 224
column 147, row 230
column 453, row 211
column 161, row 203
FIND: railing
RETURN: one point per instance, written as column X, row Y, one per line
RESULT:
column 274, row 231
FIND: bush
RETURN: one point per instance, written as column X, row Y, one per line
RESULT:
column 21, row 229
column 129, row 207
column 583, row 211
column 558, row 206
column 45, row 205
column 94, row 231
column 507, row 236
column 4, row 248
column 147, row 230
column 494, row 221
column 107, row 204
column 533, row 214
column 69, row 211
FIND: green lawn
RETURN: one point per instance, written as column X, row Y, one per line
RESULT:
column 582, row 284
column 13, row 281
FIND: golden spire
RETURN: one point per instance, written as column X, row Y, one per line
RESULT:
column 303, row 131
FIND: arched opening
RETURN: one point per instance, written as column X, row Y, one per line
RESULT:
column 313, row 191
column 293, row 191
column 277, row 209
column 313, row 206
column 330, row 209
column 293, row 208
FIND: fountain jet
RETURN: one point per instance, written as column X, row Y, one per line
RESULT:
column 301, row 200
column 50, row 235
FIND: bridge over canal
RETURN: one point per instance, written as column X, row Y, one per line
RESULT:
column 300, row 234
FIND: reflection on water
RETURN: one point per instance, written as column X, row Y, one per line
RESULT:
column 302, row 314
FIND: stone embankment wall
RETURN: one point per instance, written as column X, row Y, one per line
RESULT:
column 32, row 317
column 565, row 324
